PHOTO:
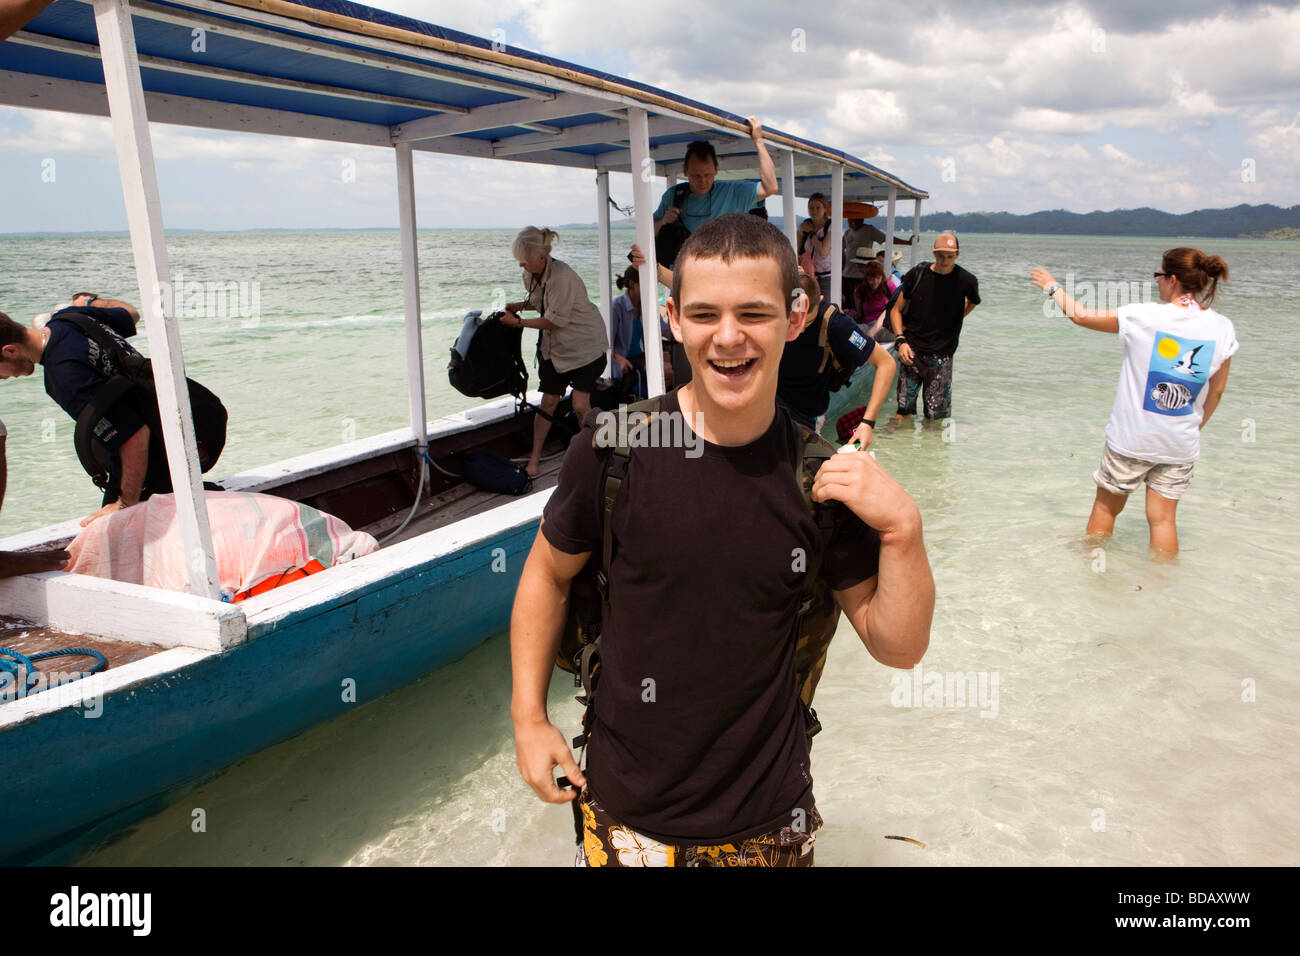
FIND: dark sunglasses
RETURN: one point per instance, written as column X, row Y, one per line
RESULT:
column 1162, row 275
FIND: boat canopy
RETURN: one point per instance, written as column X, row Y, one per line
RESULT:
column 339, row 71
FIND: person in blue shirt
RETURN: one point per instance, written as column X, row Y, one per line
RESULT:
column 706, row 200
column 629, row 339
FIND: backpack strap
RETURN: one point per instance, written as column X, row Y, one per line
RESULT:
column 815, row 451
column 680, row 192
column 93, row 460
column 93, row 329
column 611, row 484
column 131, row 370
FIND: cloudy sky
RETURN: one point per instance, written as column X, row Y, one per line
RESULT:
column 1014, row 106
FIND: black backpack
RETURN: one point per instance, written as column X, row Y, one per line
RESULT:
column 672, row 235
column 134, row 381
column 840, row 375
column 486, row 361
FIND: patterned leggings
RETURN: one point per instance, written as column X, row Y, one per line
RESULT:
column 935, row 373
column 608, row 843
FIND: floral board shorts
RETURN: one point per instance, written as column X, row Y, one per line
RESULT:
column 606, row 842
column 1122, row 475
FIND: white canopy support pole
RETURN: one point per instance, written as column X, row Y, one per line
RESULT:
column 837, row 233
column 157, row 307
column 916, row 230
column 606, row 272
column 411, row 298
column 643, row 170
column 787, row 202
column 889, row 229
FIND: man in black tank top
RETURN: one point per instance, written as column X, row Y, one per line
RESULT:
column 698, row 748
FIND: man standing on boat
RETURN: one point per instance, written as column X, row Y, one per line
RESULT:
column 927, row 318
column 687, row 206
column 698, row 742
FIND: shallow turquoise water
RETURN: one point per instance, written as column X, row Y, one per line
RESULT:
column 1121, row 734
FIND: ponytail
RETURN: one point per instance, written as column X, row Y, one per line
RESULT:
column 1197, row 273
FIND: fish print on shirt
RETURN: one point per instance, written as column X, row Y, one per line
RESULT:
column 1178, row 371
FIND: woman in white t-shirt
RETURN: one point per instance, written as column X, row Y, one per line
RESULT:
column 1176, row 357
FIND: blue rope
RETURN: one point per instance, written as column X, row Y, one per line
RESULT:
column 12, row 661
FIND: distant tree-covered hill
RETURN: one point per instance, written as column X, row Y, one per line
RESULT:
column 1243, row 220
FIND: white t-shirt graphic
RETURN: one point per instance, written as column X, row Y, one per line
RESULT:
column 1170, row 353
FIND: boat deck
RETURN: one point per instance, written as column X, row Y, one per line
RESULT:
column 459, row 502
column 30, row 639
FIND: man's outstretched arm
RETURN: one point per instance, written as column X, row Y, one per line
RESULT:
column 768, row 184
column 14, row 14
column 536, row 624
column 891, row 612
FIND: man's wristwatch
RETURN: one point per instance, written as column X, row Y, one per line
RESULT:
column 900, row 340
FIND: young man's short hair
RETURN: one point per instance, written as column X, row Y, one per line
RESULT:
column 11, row 333
column 701, row 149
column 739, row 235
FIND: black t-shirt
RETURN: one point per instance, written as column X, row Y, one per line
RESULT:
column 698, row 735
column 76, row 367
column 936, row 306
column 803, row 385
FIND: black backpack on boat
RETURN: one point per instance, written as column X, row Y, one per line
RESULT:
column 672, row 235
column 486, row 361
column 134, row 381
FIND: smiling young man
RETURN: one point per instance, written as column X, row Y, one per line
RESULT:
column 698, row 746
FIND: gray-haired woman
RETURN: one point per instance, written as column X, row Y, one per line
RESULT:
column 574, row 341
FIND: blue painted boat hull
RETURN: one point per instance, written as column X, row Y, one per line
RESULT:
column 854, row 394
column 66, row 772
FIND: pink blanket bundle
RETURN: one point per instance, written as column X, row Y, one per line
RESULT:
column 255, row 536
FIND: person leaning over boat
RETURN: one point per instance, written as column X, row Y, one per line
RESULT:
column 23, row 562
column 698, row 746
column 573, row 340
column 75, row 369
column 804, row 383
column 937, row 297
column 1176, row 357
